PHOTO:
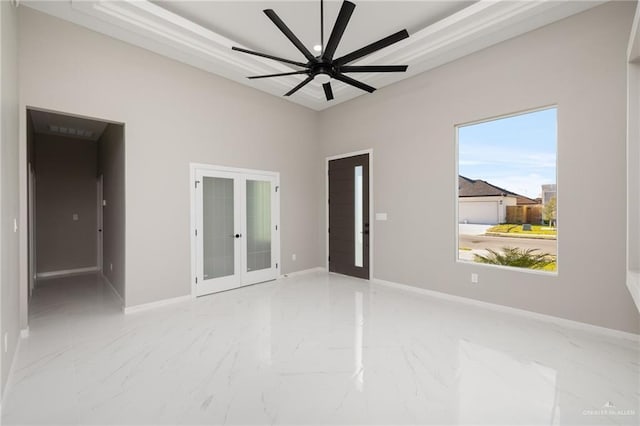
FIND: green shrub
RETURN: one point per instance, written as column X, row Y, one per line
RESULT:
column 517, row 257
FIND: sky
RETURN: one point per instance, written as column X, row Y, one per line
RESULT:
column 516, row 153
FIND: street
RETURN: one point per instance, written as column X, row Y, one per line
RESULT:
column 480, row 242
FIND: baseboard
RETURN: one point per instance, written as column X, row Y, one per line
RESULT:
column 165, row 302
column 9, row 383
column 113, row 289
column 609, row 332
column 303, row 272
column 66, row 272
column 153, row 305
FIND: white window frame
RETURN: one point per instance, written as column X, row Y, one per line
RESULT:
column 456, row 198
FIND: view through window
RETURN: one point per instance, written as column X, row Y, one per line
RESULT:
column 507, row 191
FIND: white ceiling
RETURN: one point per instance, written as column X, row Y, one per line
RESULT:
column 201, row 33
column 245, row 23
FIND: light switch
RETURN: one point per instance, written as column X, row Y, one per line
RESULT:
column 381, row 216
column 75, row 216
column 104, row 202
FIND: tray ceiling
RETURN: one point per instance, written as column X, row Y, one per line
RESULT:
column 201, row 33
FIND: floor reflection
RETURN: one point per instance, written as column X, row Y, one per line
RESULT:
column 494, row 384
column 298, row 351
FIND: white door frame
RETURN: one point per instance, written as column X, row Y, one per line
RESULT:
column 194, row 168
column 100, row 220
column 31, row 226
column 371, row 209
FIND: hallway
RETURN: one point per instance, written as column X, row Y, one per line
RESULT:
column 313, row 348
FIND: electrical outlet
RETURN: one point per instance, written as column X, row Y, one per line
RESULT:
column 474, row 278
column 6, row 342
column 75, row 216
column 293, row 257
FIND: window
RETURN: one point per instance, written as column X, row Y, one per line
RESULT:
column 507, row 191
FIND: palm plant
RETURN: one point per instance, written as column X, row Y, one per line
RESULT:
column 517, row 257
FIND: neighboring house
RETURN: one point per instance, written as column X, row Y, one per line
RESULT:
column 483, row 203
column 548, row 192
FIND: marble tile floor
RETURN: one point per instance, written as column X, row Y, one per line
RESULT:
column 316, row 348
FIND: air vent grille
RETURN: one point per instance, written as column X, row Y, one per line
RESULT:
column 71, row 131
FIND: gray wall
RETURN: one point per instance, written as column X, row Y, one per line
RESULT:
column 9, row 289
column 66, row 171
column 174, row 115
column 111, row 166
column 580, row 65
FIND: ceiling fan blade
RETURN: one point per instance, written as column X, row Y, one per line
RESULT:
column 338, row 29
column 327, row 91
column 373, row 68
column 264, row 55
column 277, row 75
column 373, row 47
column 354, row 83
column 299, row 86
column 289, row 34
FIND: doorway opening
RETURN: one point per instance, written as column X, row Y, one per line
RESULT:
column 349, row 211
column 75, row 200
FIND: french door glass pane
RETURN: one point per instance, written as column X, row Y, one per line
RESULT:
column 258, row 225
column 358, row 216
column 218, row 227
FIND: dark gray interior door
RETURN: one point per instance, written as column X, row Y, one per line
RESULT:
column 349, row 216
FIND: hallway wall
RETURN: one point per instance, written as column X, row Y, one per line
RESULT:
column 66, row 171
column 111, row 166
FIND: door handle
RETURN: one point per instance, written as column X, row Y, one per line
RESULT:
column 238, row 235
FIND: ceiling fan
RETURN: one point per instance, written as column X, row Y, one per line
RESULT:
column 324, row 67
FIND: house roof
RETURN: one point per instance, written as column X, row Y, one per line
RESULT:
column 480, row 188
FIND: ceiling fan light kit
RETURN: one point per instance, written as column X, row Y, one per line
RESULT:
column 323, row 68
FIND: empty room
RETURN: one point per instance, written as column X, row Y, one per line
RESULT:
column 320, row 212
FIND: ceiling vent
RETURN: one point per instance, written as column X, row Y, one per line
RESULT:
column 71, row 131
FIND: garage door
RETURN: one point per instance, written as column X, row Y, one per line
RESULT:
column 484, row 212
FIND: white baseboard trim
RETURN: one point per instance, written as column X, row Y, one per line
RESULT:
column 66, row 272
column 609, row 332
column 9, row 383
column 158, row 304
column 113, row 289
column 24, row 333
column 303, row 272
column 165, row 302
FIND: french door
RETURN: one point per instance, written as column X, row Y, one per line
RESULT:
column 237, row 240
